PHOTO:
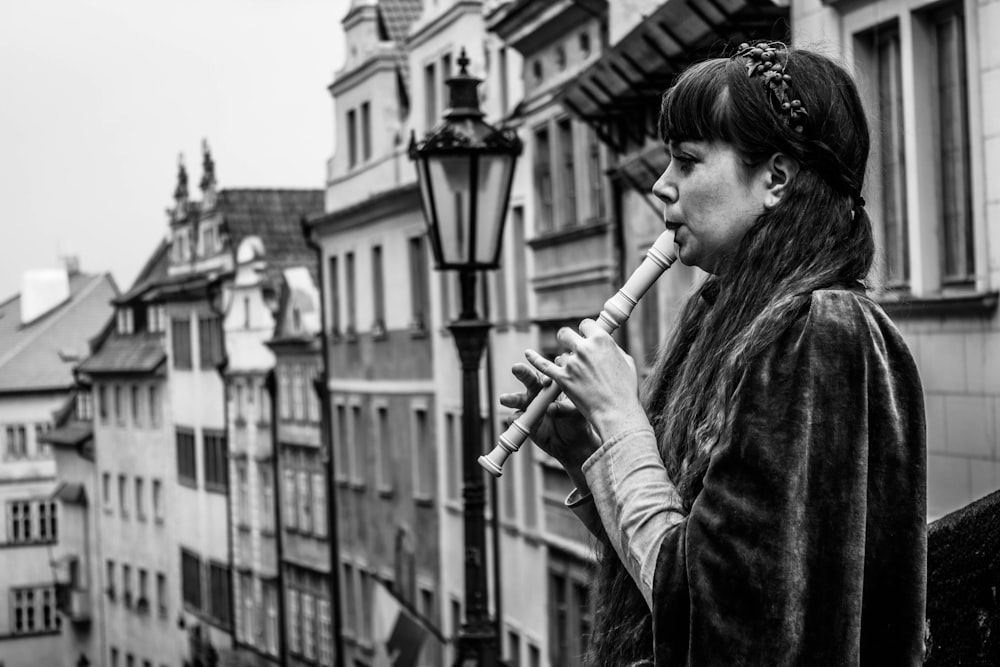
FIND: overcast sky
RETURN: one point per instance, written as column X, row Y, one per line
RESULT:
column 98, row 98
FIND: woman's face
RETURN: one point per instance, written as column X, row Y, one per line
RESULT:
column 711, row 199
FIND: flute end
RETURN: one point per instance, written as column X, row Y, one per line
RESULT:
column 489, row 466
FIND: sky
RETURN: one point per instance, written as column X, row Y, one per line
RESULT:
column 98, row 98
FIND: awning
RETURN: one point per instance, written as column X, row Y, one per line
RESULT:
column 70, row 493
column 70, row 435
column 619, row 94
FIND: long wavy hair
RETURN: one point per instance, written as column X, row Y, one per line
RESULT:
column 817, row 236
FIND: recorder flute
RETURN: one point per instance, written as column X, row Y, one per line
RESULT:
column 616, row 310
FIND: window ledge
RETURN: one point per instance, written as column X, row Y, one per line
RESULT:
column 569, row 233
column 977, row 304
column 423, row 501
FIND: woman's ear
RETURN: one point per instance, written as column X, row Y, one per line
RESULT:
column 779, row 173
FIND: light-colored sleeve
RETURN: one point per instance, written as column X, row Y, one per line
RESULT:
column 635, row 499
column 586, row 511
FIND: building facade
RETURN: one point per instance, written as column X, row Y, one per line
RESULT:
column 930, row 73
column 44, row 332
column 133, row 502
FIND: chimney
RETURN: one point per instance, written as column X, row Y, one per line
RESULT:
column 72, row 263
column 41, row 291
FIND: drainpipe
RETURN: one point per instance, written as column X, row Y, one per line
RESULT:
column 321, row 385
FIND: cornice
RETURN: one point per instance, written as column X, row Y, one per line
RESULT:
column 348, row 79
column 426, row 31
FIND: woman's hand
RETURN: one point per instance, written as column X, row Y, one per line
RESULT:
column 597, row 376
column 563, row 433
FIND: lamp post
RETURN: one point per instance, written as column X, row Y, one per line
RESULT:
column 465, row 168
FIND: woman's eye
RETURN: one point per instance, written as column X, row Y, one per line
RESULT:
column 684, row 163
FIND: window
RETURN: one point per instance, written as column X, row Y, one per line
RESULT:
column 953, row 150
column 191, row 579
column 32, row 521
column 102, row 403
column 570, row 616
column 352, row 138
column 382, row 441
column 239, row 403
column 359, row 445
column 366, row 131
column 309, row 625
column 271, row 617
column 650, row 324
column 430, row 96
column 218, row 588
column 142, row 603
column 365, row 582
column 351, row 295
column 242, row 494
column 294, row 629
column 543, row 178
column 33, row 610
column 216, row 471
column 513, row 648
column 334, row 291
column 298, row 393
column 319, row 504
column 155, row 414
column 303, row 501
column 245, row 629
column 595, row 175
column 284, row 393
column 109, row 575
column 342, row 443
column 266, row 486
column 119, row 405
column 526, row 456
column 325, row 618
column 453, row 452
column 136, row 406
column 161, row 594
column 123, row 495
column 84, row 406
column 140, row 500
column 127, row 585
column 520, row 268
column 180, row 335
column 378, row 292
column 431, row 655
column 187, row 464
column 289, row 502
column 17, row 443
column 423, row 455
column 106, row 490
column 157, row 500
column 210, row 349
column 568, row 164
column 419, row 290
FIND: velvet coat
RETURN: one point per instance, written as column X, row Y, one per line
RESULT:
column 807, row 544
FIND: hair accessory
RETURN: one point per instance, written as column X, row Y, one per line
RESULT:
column 769, row 60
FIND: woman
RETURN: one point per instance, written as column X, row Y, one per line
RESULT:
column 765, row 504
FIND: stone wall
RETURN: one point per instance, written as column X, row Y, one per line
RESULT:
column 963, row 586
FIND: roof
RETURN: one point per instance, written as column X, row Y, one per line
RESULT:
column 275, row 216
column 41, row 355
column 154, row 271
column 132, row 353
column 70, row 435
column 396, row 17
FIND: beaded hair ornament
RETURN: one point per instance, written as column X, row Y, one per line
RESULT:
column 769, row 60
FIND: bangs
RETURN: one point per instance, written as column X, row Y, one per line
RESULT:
column 694, row 108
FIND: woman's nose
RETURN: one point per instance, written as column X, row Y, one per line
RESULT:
column 664, row 189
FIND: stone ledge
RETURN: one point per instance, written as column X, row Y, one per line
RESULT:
column 963, row 586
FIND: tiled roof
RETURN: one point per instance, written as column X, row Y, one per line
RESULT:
column 42, row 354
column 275, row 217
column 153, row 272
column 396, row 17
column 134, row 353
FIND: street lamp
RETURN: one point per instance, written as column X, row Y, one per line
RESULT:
column 465, row 168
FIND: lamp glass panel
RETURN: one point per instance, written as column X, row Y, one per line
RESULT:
column 449, row 178
column 494, row 176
